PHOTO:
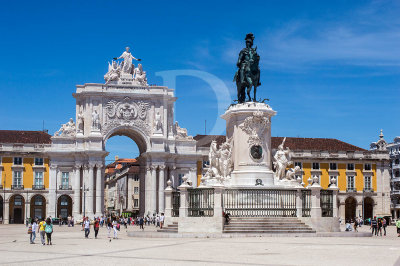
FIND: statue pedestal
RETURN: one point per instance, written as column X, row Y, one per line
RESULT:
column 249, row 124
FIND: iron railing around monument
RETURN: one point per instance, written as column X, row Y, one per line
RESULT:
column 260, row 202
column 201, row 202
column 326, row 200
column 306, row 203
column 176, row 203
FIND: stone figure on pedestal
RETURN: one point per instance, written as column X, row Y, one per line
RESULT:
column 181, row 133
column 158, row 123
column 140, row 75
column 114, row 71
column 220, row 166
column 95, row 120
column 248, row 74
column 80, row 122
column 127, row 63
column 67, row 129
column 282, row 160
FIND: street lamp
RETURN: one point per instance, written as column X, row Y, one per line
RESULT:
column 84, row 189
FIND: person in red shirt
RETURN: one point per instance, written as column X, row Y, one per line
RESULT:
column 96, row 227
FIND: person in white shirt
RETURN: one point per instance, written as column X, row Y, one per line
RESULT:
column 162, row 218
column 34, row 229
column 115, row 224
column 86, row 225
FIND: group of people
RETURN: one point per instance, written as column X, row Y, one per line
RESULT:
column 43, row 227
column 377, row 225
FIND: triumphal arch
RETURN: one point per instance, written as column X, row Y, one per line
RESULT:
column 124, row 105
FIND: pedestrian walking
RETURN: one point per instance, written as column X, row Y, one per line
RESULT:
column 42, row 232
column 109, row 226
column 384, row 224
column 49, row 230
column 379, row 226
column 141, row 222
column 86, row 226
column 115, row 225
column 398, row 227
column 96, row 227
column 374, row 226
column 162, row 219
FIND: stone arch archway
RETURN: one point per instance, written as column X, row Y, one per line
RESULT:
column 350, row 208
column 64, row 206
column 17, row 209
column 135, row 134
column 368, row 207
column 38, row 206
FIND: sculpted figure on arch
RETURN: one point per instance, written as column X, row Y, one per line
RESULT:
column 281, row 160
column 127, row 67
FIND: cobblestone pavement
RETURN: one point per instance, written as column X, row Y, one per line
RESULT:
column 70, row 248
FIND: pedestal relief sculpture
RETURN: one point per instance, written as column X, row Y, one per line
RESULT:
column 220, row 167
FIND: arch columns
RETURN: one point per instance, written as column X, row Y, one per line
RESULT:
column 77, row 191
column 153, row 191
column 147, row 191
column 90, row 193
column 99, row 188
column 51, row 210
column 161, row 187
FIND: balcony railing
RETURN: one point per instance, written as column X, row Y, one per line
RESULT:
column 38, row 187
column 351, row 190
column 1, row 186
column 368, row 190
column 64, row 187
column 17, row 187
column 395, row 192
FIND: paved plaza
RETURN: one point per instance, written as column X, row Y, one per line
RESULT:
column 70, row 248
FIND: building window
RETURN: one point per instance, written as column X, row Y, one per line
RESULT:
column 299, row 164
column 38, row 161
column 350, row 183
column 18, row 200
column 367, row 167
column 367, row 183
column 135, row 203
column 17, row 160
column 206, row 164
column 333, row 166
column 136, row 177
column 38, row 179
column 397, row 174
column 350, row 166
column 65, row 179
column 38, row 201
column 396, row 161
column 315, row 166
column 136, row 190
column 17, row 178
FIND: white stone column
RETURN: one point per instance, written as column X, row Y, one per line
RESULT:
column 77, row 190
column 147, row 191
column 89, row 194
column 184, row 198
column 168, row 202
column 99, row 188
column 51, row 205
column 299, row 203
column 193, row 176
column 6, row 212
column 315, row 201
column 161, row 187
column 153, row 193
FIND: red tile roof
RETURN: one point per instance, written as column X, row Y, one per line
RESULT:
column 313, row 144
column 22, row 136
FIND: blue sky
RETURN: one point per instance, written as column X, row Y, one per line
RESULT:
column 330, row 68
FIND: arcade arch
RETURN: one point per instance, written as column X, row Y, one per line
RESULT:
column 38, row 207
column 17, row 209
column 350, row 208
column 368, row 207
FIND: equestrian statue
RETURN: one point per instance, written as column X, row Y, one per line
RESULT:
column 248, row 73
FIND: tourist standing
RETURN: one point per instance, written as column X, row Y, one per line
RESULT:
column 115, row 225
column 42, row 232
column 109, row 226
column 374, row 226
column 379, row 226
column 398, row 227
column 34, row 227
column 96, row 227
column 49, row 230
column 384, row 224
column 162, row 219
column 141, row 222
column 86, row 226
